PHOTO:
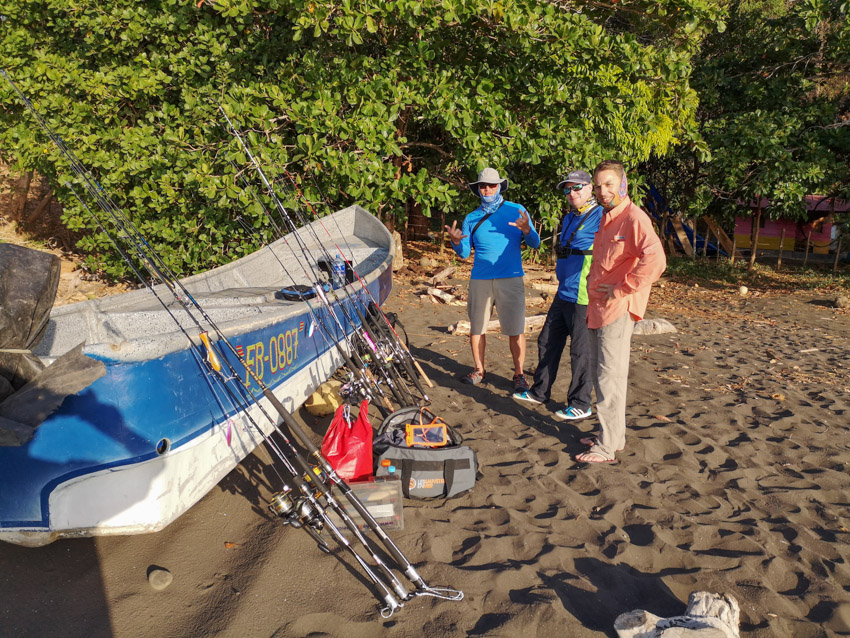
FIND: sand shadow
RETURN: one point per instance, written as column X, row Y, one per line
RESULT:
column 495, row 394
column 53, row 591
column 824, row 303
column 614, row 589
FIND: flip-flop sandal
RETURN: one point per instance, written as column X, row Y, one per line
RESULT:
column 590, row 441
column 584, row 457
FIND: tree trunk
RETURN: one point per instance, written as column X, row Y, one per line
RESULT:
column 755, row 235
column 417, row 223
column 19, row 196
column 442, row 233
column 665, row 236
column 808, row 243
column 39, row 210
column 837, row 254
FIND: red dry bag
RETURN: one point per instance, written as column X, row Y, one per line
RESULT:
column 348, row 444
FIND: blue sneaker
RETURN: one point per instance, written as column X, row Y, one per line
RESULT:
column 571, row 414
column 525, row 395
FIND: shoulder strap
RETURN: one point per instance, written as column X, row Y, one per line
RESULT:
column 571, row 237
column 563, row 249
column 481, row 221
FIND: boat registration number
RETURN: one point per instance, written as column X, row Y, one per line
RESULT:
column 275, row 356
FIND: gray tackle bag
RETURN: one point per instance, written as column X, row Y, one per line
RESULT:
column 425, row 472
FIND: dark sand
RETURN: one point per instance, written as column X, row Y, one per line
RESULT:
column 734, row 480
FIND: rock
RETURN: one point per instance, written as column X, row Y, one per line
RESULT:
column 325, row 400
column 743, row 290
column 159, row 578
column 425, row 262
column 398, row 257
column 653, row 327
column 841, row 302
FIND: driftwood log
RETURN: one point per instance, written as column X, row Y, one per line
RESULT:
column 531, row 323
column 539, row 285
column 445, row 273
column 707, row 616
column 441, row 295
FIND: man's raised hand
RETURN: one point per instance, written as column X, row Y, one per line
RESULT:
column 455, row 233
column 522, row 222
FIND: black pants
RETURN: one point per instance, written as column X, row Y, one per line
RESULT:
column 564, row 319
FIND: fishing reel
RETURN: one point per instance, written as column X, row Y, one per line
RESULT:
column 297, row 511
column 353, row 392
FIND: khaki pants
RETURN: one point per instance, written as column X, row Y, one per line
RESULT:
column 610, row 348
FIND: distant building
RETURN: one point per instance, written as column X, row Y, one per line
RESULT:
column 820, row 211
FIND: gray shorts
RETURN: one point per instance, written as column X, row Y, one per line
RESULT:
column 508, row 295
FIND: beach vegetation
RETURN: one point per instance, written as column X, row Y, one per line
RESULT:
column 390, row 104
column 774, row 115
column 761, row 277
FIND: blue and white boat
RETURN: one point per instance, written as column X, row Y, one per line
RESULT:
column 143, row 443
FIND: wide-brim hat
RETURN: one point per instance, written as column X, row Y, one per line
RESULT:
column 489, row 176
column 576, row 177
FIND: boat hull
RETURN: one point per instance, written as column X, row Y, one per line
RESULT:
column 145, row 442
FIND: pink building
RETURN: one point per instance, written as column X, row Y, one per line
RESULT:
column 820, row 218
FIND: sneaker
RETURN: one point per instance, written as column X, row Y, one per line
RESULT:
column 525, row 395
column 474, row 378
column 520, row 383
column 571, row 414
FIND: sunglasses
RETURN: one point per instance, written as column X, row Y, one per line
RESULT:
column 574, row 189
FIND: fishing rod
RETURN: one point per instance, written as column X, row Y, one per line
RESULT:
column 390, row 376
column 376, row 309
column 396, row 349
column 306, row 512
column 373, row 308
column 371, row 343
column 209, row 364
column 358, row 381
column 409, row 570
column 406, row 357
column 359, row 366
column 360, row 354
column 308, row 509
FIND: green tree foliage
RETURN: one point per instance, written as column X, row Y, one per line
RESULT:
column 380, row 102
column 774, row 114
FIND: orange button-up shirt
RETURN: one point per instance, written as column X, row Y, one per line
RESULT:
column 628, row 254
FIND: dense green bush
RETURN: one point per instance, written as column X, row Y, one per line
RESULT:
column 774, row 112
column 380, row 102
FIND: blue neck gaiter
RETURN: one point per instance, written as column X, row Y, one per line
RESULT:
column 491, row 202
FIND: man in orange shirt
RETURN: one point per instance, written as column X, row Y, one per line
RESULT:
column 627, row 259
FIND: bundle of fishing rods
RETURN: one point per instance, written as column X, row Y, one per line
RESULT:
column 374, row 357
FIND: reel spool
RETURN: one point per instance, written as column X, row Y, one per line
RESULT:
column 298, row 511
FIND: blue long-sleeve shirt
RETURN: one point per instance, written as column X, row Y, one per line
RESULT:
column 498, row 246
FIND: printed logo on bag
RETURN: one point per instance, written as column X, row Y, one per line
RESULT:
column 426, row 484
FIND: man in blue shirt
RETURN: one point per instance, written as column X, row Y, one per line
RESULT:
column 496, row 230
column 567, row 317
